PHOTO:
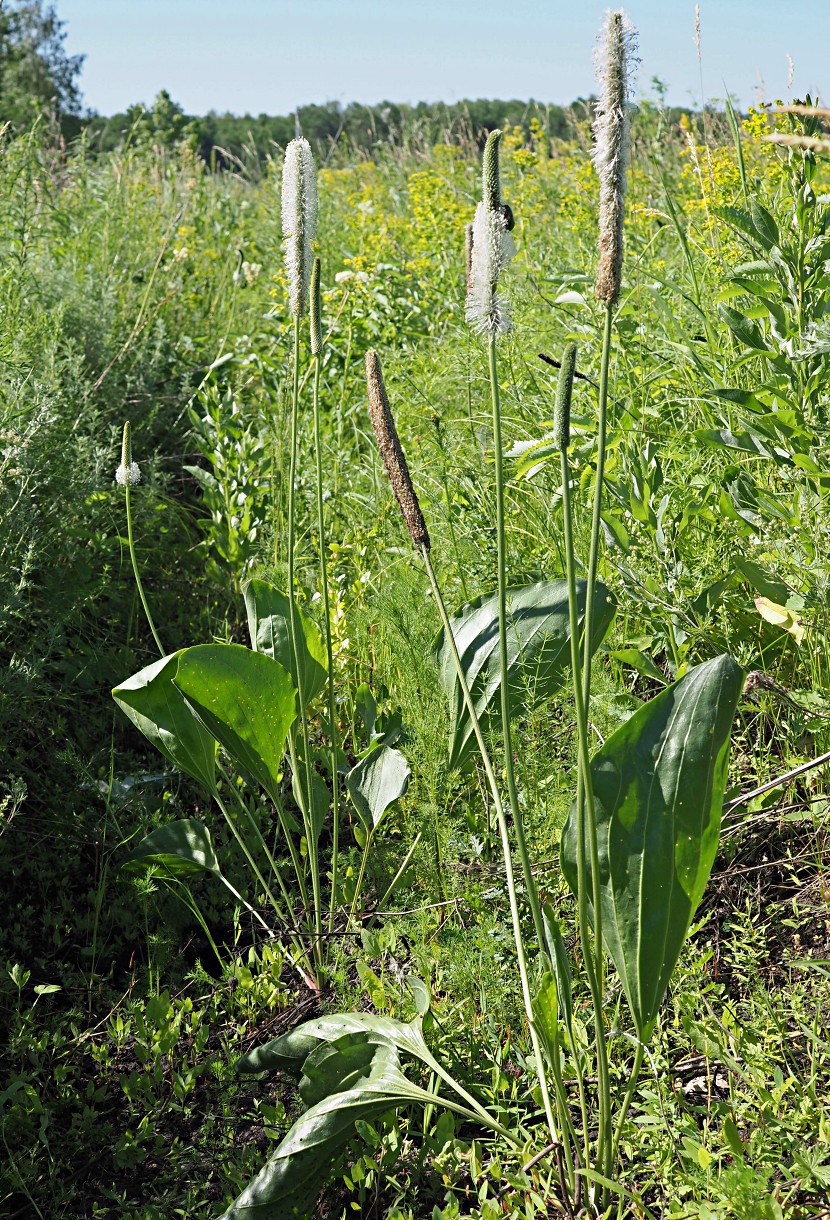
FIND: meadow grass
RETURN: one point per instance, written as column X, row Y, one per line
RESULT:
column 138, row 285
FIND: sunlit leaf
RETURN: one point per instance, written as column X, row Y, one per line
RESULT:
column 658, row 785
column 538, row 652
column 376, row 782
column 245, row 699
column 779, row 616
column 154, row 705
column 269, row 626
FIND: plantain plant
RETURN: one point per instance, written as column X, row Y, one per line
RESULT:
column 641, row 837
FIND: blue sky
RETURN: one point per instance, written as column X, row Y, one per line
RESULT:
column 272, row 55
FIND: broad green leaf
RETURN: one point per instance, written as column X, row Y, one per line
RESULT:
column 741, row 220
column 420, row 994
column 546, row 1012
column 363, row 1079
column 289, row 1051
column 154, row 705
column 182, row 848
column 320, row 797
column 376, row 782
column 616, row 535
column 366, row 708
column 658, row 788
column 744, row 329
column 745, row 442
column 765, row 224
column 245, row 699
column 640, row 661
column 762, row 581
column 538, row 652
column 269, row 626
column 333, row 1067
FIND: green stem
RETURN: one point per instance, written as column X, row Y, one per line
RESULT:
column 307, row 796
column 139, row 585
column 324, row 585
column 586, row 812
column 629, row 1093
column 596, row 516
column 295, row 859
column 518, row 822
column 505, row 842
column 360, row 874
column 307, row 972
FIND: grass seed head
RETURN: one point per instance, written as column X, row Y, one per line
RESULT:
column 616, row 54
column 392, row 453
column 315, row 312
column 299, row 219
column 564, row 391
column 128, row 473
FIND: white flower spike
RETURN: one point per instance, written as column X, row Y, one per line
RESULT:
column 299, row 220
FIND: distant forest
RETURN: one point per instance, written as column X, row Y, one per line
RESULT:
column 223, row 140
column 227, row 141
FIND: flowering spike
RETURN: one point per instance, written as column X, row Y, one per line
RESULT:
column 487, row 311
column 392, row 453
column 315, row 323
column 299, row 219
column 468, row 254
column 490, row 185
column 128, row 473
column 564, row 390
column 615, row 56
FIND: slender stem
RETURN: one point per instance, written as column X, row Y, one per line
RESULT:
column 295, row 859
column 139, row 585
column 629, row 1093
column 505, row 842
column 596, row 516
column 515, row 809
column 593, row 564
column 390, row 889
column 307, row 972
column 246, row 852
column 586, row 813
column 324, row 586
column 307, row 795
column 562, row 1108
column 360, row 874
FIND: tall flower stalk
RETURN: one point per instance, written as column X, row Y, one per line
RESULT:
column 126, row 476
column 299, row 222
column 399, row 476
column 488, row 314
column 615, row 56
column 316, row 340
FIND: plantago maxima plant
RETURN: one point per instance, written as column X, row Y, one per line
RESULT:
column 299, row 222
column 126, row 476
column 488, row 315
column 610, row 154
column 316, row 343
column 290, row 1179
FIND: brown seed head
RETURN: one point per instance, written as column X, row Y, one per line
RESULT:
column 392, row 454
